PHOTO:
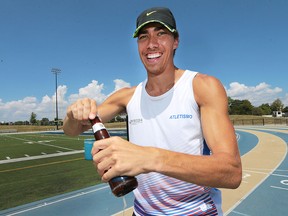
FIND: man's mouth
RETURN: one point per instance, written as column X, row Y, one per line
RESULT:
column 153, row 55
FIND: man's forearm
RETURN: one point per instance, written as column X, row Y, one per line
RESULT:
column 73, row 127
column 221, row 171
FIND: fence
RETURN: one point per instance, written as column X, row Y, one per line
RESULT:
column 264, row 121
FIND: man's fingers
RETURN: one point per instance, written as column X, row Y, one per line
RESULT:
column 82, row 110
column 93, row 109
column 70, row 113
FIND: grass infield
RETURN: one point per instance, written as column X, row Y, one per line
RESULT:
column 31, row 180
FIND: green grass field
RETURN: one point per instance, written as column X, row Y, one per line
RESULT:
column 27, row 181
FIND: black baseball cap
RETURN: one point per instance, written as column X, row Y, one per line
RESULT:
column 160, row 15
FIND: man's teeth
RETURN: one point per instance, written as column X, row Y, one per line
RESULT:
column 154, row 55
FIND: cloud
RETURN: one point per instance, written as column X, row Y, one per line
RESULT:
column 92, row 90
column 120, row 84
column 17, row 109
column 21, row 110
column 257, row 95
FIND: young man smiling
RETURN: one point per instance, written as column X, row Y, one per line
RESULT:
column 182, row 144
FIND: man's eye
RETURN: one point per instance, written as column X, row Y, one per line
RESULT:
column 141, row 37
column 161, row 33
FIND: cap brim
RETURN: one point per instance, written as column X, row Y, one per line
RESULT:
column 151, row 21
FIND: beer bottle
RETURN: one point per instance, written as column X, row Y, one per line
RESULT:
column 119, row 185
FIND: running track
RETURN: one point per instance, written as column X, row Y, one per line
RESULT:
column 264, row 189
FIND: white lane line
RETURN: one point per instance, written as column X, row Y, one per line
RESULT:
column 40, row 156
column 57, row 201
column 281, row 188
column 239, row 213
column 268, row 174
column 39, row 142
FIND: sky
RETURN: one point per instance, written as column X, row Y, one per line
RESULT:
column 243, row 43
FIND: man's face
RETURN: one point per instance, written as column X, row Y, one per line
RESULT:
column 156, row 45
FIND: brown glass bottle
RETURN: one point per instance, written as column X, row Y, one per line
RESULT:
column 119, row 185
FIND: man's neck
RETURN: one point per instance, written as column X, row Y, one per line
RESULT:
column 160, row 84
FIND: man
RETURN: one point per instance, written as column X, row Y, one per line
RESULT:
column 175, row 116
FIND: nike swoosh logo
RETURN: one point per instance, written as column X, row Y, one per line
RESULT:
column 148, row 14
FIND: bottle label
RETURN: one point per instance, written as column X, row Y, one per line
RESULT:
column 98, row 126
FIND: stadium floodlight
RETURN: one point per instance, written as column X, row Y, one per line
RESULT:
column 56, row 71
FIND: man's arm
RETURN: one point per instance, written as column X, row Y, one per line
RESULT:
column 218, row 130
column 79, row 113
column 223, row 167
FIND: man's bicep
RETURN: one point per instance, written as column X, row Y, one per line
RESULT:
column 115, row 104
column 217, row 128
column 109, row 109
column 218, row 132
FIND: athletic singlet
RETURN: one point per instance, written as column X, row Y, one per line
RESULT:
column 170, row 121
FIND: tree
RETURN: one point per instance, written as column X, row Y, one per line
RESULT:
column 277, row 105
column 33, row 119
column 257, row 111
column 119, row 118
column 230, row 102
column 234, row 107
column 266, row 109
column 240, row 107
column 44, row 121
column 246, row 107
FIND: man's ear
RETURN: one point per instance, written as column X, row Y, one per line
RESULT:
column 176, row 43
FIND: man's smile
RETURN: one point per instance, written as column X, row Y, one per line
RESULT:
column 154, row 55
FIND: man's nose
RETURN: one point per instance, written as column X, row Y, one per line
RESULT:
column 153, row 42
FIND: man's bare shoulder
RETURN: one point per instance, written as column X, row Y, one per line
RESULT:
column 206, row 80
column 207, row 87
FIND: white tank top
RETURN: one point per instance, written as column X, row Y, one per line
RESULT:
column 170, row 121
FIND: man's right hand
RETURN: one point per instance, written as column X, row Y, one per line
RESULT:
column 78, row 115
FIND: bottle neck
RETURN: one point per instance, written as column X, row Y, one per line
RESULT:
column 95, row 120
column 97, row 127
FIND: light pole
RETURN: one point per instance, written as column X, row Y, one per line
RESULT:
column 56, row 71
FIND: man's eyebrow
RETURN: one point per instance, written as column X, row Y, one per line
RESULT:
column 156, row 28
column 142, row 31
